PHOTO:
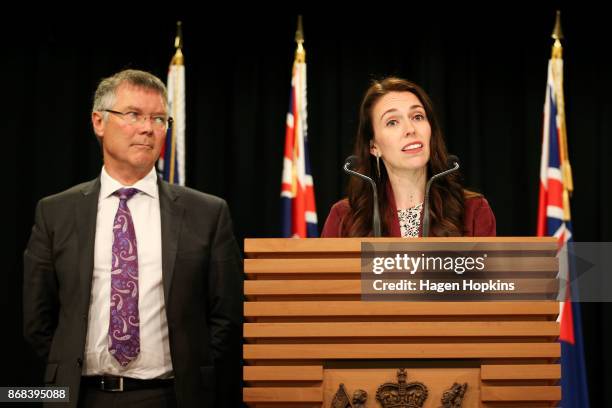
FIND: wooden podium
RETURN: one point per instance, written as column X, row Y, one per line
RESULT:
column 307, row 330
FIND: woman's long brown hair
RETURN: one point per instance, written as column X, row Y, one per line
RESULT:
column 446, row 195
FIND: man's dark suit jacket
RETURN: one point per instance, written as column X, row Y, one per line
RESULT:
column 202, row 279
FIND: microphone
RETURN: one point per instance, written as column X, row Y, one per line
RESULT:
column 352, row 161
column 453, row 163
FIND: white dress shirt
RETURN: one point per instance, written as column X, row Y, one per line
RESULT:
column 153, row 361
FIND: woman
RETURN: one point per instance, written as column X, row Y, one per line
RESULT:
column 400, row 145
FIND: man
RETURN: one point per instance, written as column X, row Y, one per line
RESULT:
column 133, row 286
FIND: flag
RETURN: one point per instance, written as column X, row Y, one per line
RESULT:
column 299, row 218
column 554, row 219
column 171, row 163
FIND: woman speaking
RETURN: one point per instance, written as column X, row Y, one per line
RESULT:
column 399, row 145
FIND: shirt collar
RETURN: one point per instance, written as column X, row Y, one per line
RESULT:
column 147, row 184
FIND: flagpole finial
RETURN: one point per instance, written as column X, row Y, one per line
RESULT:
column 557, row 35
column 178, row 40
column 557, row 32
column 178, row 44
column 299, row 33
column 300, row 52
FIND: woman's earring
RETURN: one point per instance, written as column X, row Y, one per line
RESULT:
column 378, row 164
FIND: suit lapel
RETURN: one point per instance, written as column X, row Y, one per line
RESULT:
column 86, row 213
column 171, row 220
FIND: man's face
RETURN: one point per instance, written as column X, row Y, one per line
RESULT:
column 132, row 148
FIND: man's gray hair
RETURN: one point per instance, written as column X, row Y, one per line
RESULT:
column 106, row 93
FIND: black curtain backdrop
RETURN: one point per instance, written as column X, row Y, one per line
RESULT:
column 484, row 69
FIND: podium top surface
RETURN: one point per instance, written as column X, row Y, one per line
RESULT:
column 258, row 246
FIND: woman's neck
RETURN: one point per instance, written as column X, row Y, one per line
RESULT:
column 408, row 186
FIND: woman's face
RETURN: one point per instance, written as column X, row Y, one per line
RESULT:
column 401, row 132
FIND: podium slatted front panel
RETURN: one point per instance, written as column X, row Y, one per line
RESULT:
column 304, row 314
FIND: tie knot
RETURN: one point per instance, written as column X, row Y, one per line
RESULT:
column 126, row 193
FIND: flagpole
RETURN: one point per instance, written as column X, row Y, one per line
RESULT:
column 177, row 59
column 557, row 64
column 300, row 58
column 554, row 220
column 299, row 216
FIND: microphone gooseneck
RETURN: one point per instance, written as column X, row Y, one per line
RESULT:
column 350, row 162
column 452, row 161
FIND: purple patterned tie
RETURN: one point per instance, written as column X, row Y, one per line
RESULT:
column 124, row 328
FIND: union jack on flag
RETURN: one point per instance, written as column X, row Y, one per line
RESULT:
column 299, row 219
column 554, row 220
column 554, row 212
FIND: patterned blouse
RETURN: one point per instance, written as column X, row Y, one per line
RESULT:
column 409, row 220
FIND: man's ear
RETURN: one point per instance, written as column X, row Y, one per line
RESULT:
column 98, row 123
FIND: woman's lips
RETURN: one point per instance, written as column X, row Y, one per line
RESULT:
column 414, row 147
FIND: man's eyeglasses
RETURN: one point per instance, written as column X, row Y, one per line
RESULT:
column 133, row 118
